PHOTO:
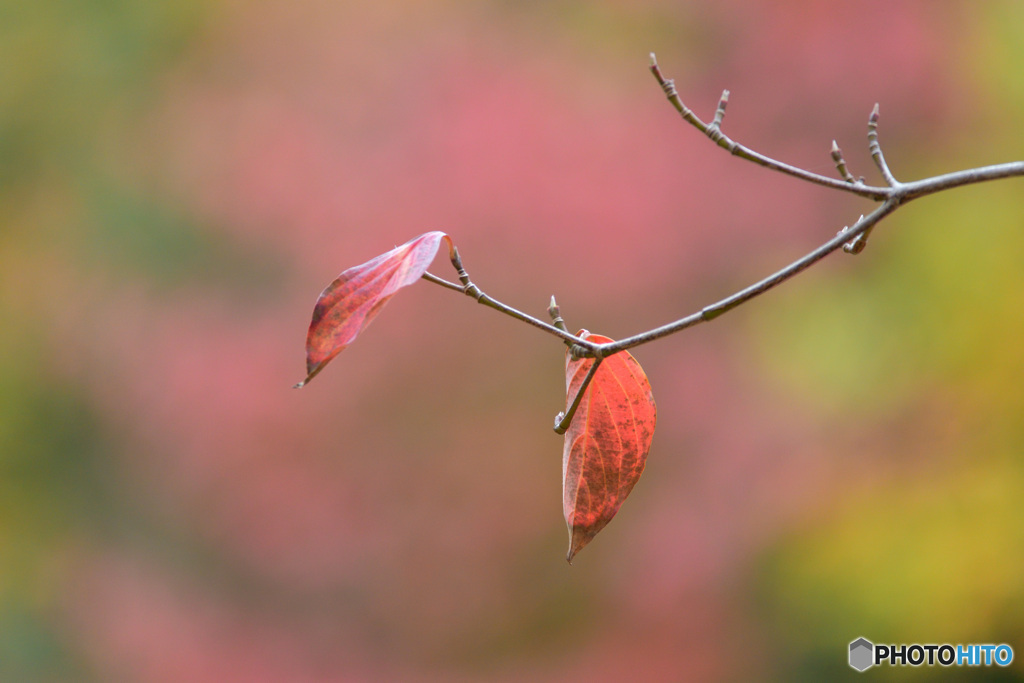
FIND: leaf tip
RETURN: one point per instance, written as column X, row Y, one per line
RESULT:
column 313, row 372
column 578, row 538
column 574, row 548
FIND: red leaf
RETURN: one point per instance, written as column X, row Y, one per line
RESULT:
column 349, row 303
column 606, row 443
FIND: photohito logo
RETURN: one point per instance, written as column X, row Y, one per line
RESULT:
column 864, row 654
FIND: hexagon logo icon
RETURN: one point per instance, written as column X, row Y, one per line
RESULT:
column 862, row 654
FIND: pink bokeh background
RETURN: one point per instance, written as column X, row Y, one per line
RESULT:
column 399, row 519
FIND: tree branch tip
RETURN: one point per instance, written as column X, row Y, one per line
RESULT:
column 556, row 318
column 667, row 85
column 653, row 60
column 873, row 119
column 837, row 159
column 560, row 427
column 656, row 70
column 723, row 101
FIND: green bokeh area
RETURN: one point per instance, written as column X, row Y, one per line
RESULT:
column 922, row 337
column 54, row 489
column 69, row 65
column 131, row 235
column 70, row 69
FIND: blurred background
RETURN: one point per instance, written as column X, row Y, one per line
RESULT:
column 180, row 179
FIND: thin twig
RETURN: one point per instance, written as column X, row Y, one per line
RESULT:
column 716, row 309
column 851, row 238
column 723, row 102
column 908, row 190
column 876, row 149
column 837, row 157
column 563, row 420
column 722, row 140
column 467, row 287
column 430, row 277
column 556, row 315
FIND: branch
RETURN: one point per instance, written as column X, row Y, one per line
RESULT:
column 716, row 309
column 469, row 289
column 876, row 150
column 713, row 131
column 609, row 455
column 948, row 181
column 851, row 239
column 905, row 191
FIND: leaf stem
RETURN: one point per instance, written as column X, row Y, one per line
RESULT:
column 430, row 277
column 563, row 420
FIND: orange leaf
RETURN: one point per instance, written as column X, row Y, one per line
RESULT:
column 606, row 443
column 349, row 303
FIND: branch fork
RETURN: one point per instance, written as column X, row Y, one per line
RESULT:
column 851, row 239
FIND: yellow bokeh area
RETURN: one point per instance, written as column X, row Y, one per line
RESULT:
column 921, row 339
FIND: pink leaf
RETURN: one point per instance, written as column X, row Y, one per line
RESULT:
column 352, row 301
